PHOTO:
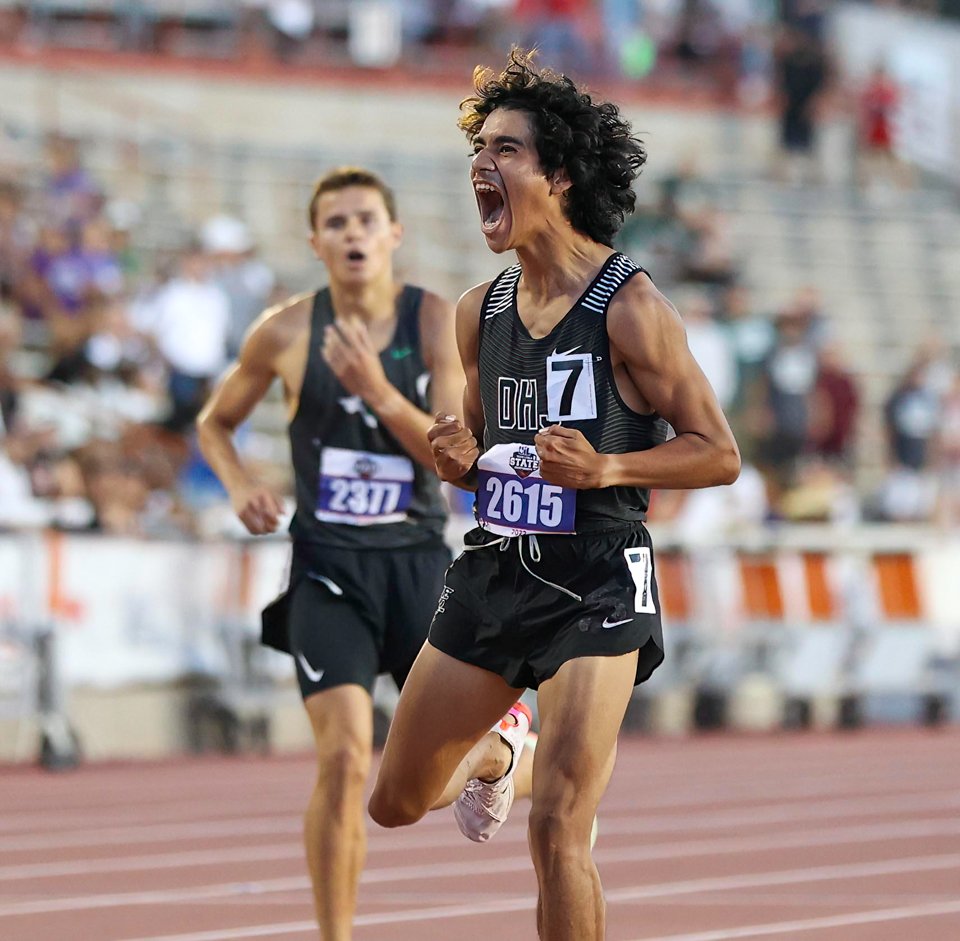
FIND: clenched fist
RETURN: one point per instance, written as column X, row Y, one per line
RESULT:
column 454, row 447
column 568, row 459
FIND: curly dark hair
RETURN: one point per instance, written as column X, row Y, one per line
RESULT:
column 590, row 140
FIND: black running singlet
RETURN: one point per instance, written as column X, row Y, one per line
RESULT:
column 356, row 486
column 564, row 378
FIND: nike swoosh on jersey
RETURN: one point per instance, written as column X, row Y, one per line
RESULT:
column 401, row 353
column 313, row 675
column 608, row 623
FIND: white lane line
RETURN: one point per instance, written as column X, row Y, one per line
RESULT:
column 157, row 833
column 854, row 833
column 273, row 825
column 16, row 822
column 680, row 850
column 779, row 928
column 151, row 863
column 228, row 934
column 665, row 889
column 183, row 810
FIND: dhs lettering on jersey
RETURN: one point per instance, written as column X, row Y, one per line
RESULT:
column 525, row 461
column 518, row 405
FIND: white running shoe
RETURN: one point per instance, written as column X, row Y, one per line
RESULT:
column 531, row 742
column 482, row 806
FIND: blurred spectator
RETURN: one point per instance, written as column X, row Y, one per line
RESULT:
column 190, row 318
column 557, row 28
column 683, row 233
column 622, row 25
column 710, row 346
column 32, row 288
column 949, row 457
column 484, row 23
column 137, row 20
column 122, row 218
column 39, row 485
column 71, row 196
column 820, row 492
column 787, row 383
column 248, row 281
column 700, row 35
column 834, row 408
column 807, row 16
column 656, row 233
column 69, row 277
column 18, row 506
column 292, row 22
column 710, row 259
column 911, row 419
column 10, row 334
column 877, row 160
column 940, row 369
column 801, row 80
column 752, row 336
column 755, row 81
column 807, row 306
column 17, row 234
column 117, row 490
column 131, row 484
column 911, row 416
column 112, row 350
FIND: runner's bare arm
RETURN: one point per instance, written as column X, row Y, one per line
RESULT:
column 244, row 385
column 646, row 331
column 454, row 443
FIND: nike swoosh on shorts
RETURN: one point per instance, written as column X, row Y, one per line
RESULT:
column 608, row 624
column 313, row 675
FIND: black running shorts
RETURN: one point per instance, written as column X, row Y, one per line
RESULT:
column 507, row 605
column 349, row 615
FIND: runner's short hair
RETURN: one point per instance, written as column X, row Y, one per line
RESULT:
column 342, row 177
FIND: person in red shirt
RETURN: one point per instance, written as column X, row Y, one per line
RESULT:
column 879, row 101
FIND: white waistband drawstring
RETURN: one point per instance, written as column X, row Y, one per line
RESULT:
column 504, row 543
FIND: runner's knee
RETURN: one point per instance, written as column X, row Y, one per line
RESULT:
column 342, row 769
column 558, row 830
column 391, row 807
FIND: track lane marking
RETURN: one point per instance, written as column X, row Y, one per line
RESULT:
column 930, row 910
column 851, row 834
column 379, row 841
column 517, row 904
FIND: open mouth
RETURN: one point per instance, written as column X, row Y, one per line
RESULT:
column 356, row 255
column 490, row 202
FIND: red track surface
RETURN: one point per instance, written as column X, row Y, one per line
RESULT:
column 853, row 837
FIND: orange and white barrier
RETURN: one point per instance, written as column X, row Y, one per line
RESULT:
column 129, row 611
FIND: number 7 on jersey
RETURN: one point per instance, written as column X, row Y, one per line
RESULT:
column 571, row 394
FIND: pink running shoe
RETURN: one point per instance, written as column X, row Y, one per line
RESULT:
column 482, row 806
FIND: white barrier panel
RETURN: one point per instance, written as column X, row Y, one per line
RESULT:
column 133, row 612
column 130, row 611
